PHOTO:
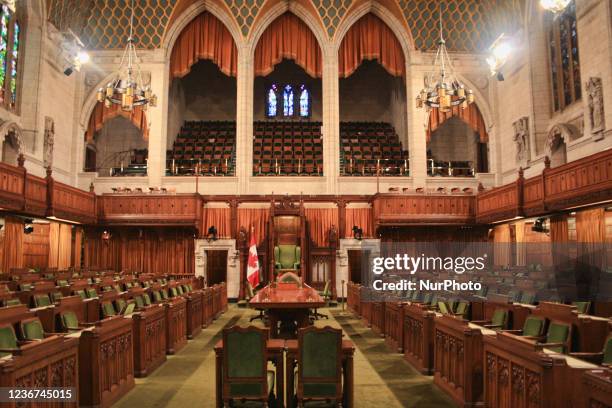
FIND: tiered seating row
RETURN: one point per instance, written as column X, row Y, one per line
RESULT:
column 287, row 148
column 101, row 331
column 485, row 351
column 371, row 148
column 204, row 148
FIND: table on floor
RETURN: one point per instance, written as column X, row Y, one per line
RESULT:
column 275, row 349
column 288, row 304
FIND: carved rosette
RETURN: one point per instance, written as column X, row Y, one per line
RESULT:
column 518, row 379
column 70, row 374
column 491, row 366
column 533, row 387
column 504, row 372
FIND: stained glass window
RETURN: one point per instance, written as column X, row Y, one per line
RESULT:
column 564, row 58
column 304, row 102
column 288, row 101
column 272, row 101
column 9, row 57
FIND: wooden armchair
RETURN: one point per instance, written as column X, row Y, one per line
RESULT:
column 31, row 329
column 246, row 379
column 70, row 323
column 319, row 379
column 534, row 327
column 604, row 358
column 8, row 340
column 498, row 321
column 287, row 257
column 558, row 337
column 582, row 307
column 326, row 295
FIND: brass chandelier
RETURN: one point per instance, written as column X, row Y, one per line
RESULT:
column 128, row 89
column 442, row 88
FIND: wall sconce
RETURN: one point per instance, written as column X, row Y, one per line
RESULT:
column 499, row 52
column 106, row 236
column 28, row 228
column 212, row 233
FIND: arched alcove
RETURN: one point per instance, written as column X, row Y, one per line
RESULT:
column 10, row 148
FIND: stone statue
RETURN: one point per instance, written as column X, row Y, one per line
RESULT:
column 48, row 142
column 596, row 104
column 521, row 139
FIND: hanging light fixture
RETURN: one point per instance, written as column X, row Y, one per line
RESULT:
column 442, row 88
column 128, row 89
column 555, row 6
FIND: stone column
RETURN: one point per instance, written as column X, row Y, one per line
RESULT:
column 244, row 119
column 417, row 120
column 158, row 122
column 331, row 119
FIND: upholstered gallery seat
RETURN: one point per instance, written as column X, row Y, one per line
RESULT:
column 287, row 257
column 557, row 338
column 499, row 320
column 534, row 327
column 604, row 358
column 8, row 340
column 32, row 329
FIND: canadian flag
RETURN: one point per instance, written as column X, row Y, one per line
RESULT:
column 253, row 263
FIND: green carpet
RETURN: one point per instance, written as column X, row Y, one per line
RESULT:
column 382, row 378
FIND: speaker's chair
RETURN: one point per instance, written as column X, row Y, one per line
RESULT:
column 287, row 257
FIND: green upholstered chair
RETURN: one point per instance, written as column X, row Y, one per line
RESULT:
column 91, row 293
column 482, row 292
column 427, row 298
column 246, row 379
column 42, row 300
column 287, row 257
column 12, row 302
column 117, row 288
column 129, row 309
column 319, row 379
column 25, row 287
column 62, row 282
column 140, row 303
column 179, row 289
column 443, row 308
column 164, row 293
column 56, row 296
column 147, row 299
column 604, row 358
column 190, row 287
column 557, row 338
column 174, row 292
column 514, row 296
column 527, row 298
column 107, row 310
column 69, row 321
column 582, row 307
column 462, row 310
column 8, row 340
column 415, row 296
column 499, row 320
column 534, row 327
column 326, row 294
column 81, row 293
column 32, row 329
column 120, row 305
column 157, row 297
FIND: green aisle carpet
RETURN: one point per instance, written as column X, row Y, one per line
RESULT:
column 382, row 378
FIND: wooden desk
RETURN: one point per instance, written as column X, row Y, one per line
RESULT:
column 348, row 350
column 275, row 348
column 597, row 387
column 419, row 337
column 287, row 304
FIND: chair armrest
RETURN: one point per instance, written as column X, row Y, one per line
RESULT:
column 595, row 358
column 546, row 345
column 481, row 322
column 518, row 332
column 296, row 265
column 277, row 265
column 3, row 350
column 493, row 326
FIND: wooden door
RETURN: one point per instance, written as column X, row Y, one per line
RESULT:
column 216, row 266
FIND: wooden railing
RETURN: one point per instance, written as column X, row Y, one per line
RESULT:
column 397, row 209
column 394, row 325
column 419, row 337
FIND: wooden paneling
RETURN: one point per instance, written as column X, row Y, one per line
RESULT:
column 395, row 209
column 499, row 203
column 36, row 247
column 149, row 339
column 71, row 203
column 394, row 325
column 12, row 187
column 533, row 196
column 148, row 209
column 419, row 337
column 35, row 195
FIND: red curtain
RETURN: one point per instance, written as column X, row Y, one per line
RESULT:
column 205, row 37
column 11, row 238
column 101, row 114
column 288, row 37
column 370, row 38
column 220, row 218
column 320, row 221
column 361, row 217
column 256, row 218
column 470, row 115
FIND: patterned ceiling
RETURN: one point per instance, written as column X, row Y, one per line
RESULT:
column 469, row 25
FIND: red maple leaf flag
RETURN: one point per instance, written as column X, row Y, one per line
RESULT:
column 253, row 263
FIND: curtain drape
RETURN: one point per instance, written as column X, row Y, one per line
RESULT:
column 12, row 244
column 78, row 243
column 502, row 242
column 590, row 226
column 288, row 37
column 60, row 245
column 361, row 217
column 370, row 38
column 220, row 218
column 470, row 115
column 521, row 244
column 205, row 37
column 256, row 218
column 559, row 231
column 101, row 114
column 320, row 221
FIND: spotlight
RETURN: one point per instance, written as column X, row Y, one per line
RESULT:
column 106, row 236
column 68, row 71
column 357, row 233
column 499, row 52
column 540, row 225
column 212, row 233
column 28, row 229
column 82, row 57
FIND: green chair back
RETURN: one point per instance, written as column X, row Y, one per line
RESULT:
column 42, row 300
column 147, row 299
column 462, row 308
column 56, row 296
column 482, row 292
column 129, row 309
column 533, row 326
column 69, row 320
column 164, row 293
column 320, row 361
column 62, row 283
column 527, row 298
column 245, row 361
column 139, row 302
column 250, row 292
column 157, row 296
column 500, row 317
column 108, row 310
column 32, row 329
column 120, row 304
column 91, row 293
column 190, row 287
column 81, row 294
column 174, row 292
column 443, row 308
column 326, row 289
column 582, row 307
column 607, row 353
column 514, row 296
column 287, row 256
column 8, row 339
column 557, row 333
column 12, row 302
column 427, row 298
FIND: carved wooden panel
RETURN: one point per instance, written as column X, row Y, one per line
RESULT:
column 11, row 187
column 35, row 195
column 418, row 337
column 394, row 325
column 498, row 203
column 72, row 203
column 423, row 209
column 533, row 196
column 149, row 339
